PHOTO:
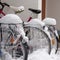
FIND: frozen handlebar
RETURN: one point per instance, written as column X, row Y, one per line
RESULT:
column 5, row 4
column 17, row 9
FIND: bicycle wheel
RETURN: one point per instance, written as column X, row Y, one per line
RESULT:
column 58, row 39
column 12, row 49
column 54, row 43
column 39, row 40
column 21, row 52
column 17, row 52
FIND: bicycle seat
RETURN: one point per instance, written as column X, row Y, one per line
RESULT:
column 36, row 11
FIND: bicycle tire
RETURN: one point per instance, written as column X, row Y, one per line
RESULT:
column 11, row 48
column 12, row 51
column 39, row 31
column 55, row 42
column 56, row 45
column 24, row 50
column 58, row 39
column 22, row 54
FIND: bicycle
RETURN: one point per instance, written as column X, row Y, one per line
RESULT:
column 24, row 51
column 52, row 40
column 36, row 32
column 50, row 23
column 6, row 21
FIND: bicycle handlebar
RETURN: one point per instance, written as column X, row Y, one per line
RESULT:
column 16, row 9
column 3, row 5
column 6, row 4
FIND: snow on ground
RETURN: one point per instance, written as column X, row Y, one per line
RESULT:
column 42, row 55
column 39, row 55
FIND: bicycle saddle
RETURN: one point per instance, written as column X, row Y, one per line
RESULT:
column 36, row 11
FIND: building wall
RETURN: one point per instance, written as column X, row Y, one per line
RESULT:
column 53, row 10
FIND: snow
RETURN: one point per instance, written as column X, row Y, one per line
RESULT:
column 38, row 55
column 43, row 55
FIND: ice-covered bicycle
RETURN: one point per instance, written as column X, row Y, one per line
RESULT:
column 50, row 23
column 8, row 24
column 9, row 44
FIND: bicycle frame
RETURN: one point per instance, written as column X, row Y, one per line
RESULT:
column 1, row 12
